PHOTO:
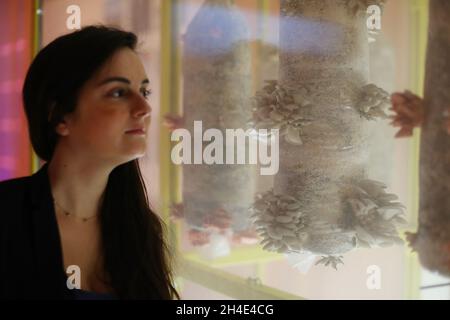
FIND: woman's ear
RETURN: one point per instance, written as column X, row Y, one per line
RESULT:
column 62, row 128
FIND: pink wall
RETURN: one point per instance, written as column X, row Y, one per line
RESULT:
column 15, row 55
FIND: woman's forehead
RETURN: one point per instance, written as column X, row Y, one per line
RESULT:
column 125, row 63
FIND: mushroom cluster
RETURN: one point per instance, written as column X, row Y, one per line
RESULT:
column 276, row 107
column 375, row 215
column 333, row 261
column 279, row 222
column 372, row 102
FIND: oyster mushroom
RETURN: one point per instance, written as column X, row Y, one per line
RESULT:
column 372, row 102
column 276, row 107
column 279, row 222
column 374, row 213
column 333, row 261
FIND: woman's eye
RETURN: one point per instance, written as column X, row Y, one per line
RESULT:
column 119, row 93
column 146, row 93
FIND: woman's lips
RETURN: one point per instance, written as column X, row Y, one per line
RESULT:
column 135, row 131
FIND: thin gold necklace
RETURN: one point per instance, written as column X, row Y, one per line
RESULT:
column 67, row 213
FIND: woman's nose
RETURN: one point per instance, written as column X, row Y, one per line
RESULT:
column 142, row 108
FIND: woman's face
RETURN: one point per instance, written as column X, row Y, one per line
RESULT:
column 113, row 102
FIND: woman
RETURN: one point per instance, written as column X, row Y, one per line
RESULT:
column 85, row 97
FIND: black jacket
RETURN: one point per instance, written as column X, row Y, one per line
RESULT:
column 31, row 264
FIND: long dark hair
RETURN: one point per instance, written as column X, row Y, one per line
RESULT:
column 135, row 253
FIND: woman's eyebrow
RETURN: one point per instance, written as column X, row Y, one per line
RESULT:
column 120, row 79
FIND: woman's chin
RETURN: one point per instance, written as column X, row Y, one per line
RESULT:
column 131, row 155
column 136, row 155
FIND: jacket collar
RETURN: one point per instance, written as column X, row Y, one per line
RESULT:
column 48, row 250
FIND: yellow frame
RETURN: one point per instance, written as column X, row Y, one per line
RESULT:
column 37, row 25
column 418, row 43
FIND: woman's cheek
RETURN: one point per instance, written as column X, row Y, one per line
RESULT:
column 109, row 120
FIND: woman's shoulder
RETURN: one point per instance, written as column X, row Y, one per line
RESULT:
column 23, row 193
column 15, row 196
column 11, row 187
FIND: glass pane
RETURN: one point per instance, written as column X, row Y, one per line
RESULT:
column 319, row 209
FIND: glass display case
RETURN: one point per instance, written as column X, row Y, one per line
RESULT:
column 318, row 205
